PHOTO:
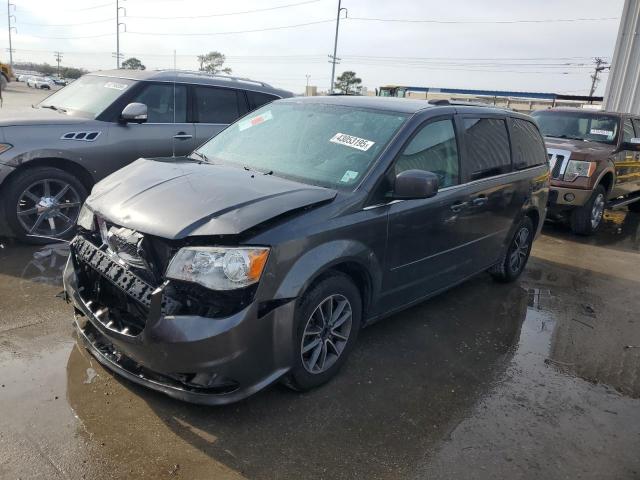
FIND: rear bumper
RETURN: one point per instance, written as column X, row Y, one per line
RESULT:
column 239, row 354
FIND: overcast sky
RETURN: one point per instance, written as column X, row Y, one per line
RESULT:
column 533, row 56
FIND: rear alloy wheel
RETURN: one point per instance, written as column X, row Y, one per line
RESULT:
column 42, row 204
column 585, row 220
column 327, row 325
column 515, row 259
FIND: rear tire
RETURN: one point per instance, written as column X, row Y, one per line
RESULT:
column 31, row 206
column 512, row 263
column 585, row 220
column 324, row 337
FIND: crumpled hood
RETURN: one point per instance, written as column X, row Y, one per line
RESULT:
column 40, row 116
column 580, row 149
column 176, row 197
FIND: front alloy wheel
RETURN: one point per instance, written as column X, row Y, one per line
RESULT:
column 326, row 334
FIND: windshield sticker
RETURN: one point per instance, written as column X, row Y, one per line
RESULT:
column 348, row 176
column 353, row 142
column 257, row 120
column 115, row 86
column 607, row 133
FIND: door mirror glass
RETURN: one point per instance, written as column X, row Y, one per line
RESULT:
column 415, row 184
column 134, row 112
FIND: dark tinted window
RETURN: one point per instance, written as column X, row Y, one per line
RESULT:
column 159, row 101
column 487, row 144
column 627, row 132
column 527, row 144
column 217, row 105
column 636, row 124
column 257, row 99
column 433, row 149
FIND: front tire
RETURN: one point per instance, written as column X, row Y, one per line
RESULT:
column 327, row 322
column 512, row 263
column 43, row 201
column 585, row 220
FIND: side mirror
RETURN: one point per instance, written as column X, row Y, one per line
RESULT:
column 134, row 112
column 415, row 184
column 633, row 144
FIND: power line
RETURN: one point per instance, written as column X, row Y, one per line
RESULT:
column 257, row 10
column 76, row 24
column 478, row 22
column 191, row 34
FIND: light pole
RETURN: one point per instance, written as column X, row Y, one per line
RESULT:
column 11, row 27
column 306, row 92
column 335, row 45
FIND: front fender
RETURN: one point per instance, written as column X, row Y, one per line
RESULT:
column 322, row 258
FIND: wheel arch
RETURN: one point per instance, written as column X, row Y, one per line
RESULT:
column 68, row 166
column 607, row 180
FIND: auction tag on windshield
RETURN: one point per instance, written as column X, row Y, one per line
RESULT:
column 595, row 131
column 257, row 120
column 353, row 142
column 348, row 176
column 115, row 86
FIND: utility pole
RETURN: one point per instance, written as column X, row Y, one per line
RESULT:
column 118, row 55
column 600, row 66
column 306, row 92
column 11, row 27
column 333, row 57
column 58, row 56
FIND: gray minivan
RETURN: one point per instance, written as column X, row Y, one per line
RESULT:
column 261, row 255
column 51, row 156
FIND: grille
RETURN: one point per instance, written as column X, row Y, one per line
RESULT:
column 558, row 160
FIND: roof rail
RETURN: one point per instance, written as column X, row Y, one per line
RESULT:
column 222, row 77
column 443, row 102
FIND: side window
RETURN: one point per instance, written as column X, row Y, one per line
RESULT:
column 527, row 144
column 487, row 145
column 627, row 132
column 433, row 149
column 216, row 105
column 257, row 99
column 159, row 99
column 636, row 124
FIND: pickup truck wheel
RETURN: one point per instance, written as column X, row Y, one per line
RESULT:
column 585, row 220
column 327, row 323
column 515, row 259
column 43, row 201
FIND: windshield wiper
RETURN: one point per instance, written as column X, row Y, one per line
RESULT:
column 568, row 137
column 53, row 107
column 201, row 155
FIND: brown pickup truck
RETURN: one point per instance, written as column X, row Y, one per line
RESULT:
column 594, row 159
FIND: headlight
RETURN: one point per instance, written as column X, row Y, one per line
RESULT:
column 578, row 168
column 219, row 268
column 85, row 218
column 4, row 147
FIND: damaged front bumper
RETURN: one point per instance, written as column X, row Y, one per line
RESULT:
column 192, row 358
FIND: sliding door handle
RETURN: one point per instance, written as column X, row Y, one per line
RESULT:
column 182, row 136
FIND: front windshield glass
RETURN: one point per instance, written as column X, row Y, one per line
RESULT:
column 88, row 96
column 587, row 126
column 325, row 145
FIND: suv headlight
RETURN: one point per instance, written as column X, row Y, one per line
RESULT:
column 219, row 268
column 4, row 147
column 85, row 218
column 578, row 168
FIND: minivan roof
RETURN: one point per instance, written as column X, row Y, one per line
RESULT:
column 186, row 76
column 392, row 104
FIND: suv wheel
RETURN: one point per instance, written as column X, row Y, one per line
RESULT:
column 515, row 259
column 585, row 220
column 327, row 325
column 43, row 201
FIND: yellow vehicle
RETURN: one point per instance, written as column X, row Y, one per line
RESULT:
column 5, row 75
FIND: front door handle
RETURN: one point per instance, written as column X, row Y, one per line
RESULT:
column 479, row 201
column 182, row 136
column 458, row 207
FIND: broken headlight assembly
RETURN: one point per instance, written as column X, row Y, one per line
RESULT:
column 86, row 218
column 578, row 168
column 219, row 268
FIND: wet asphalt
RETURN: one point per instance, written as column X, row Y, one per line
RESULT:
column 537, row 379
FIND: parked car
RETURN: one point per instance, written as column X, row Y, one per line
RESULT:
column 60, row 82
column 51, row 158
column 595, row 164
column 39, row 82
column 260, row 255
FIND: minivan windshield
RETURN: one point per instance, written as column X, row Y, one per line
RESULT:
column 587, row 126
column 325, row 145
column 88, row 96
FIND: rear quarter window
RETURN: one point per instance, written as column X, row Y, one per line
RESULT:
column 527, row 144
